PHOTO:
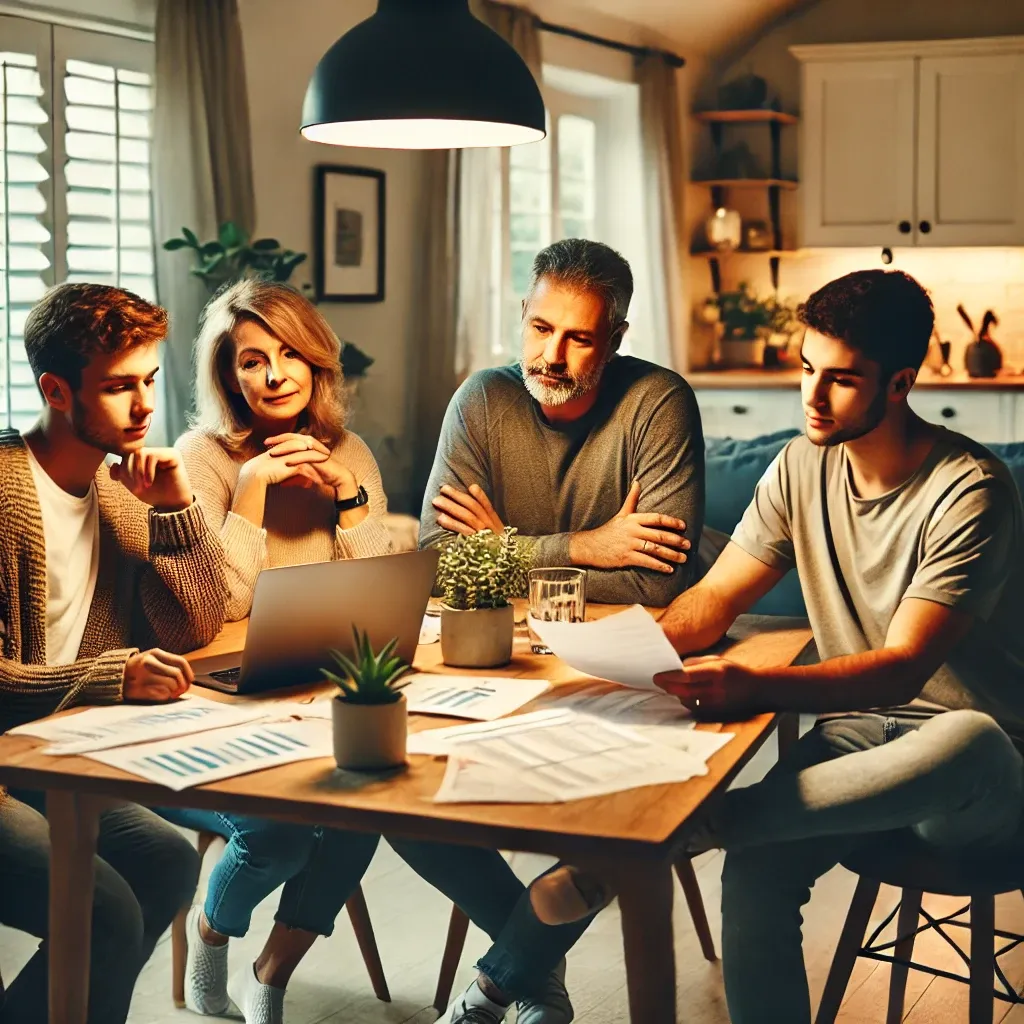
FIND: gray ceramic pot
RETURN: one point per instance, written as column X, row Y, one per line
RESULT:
column 477, row 638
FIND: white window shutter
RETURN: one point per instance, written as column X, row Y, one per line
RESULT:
column 25, row 206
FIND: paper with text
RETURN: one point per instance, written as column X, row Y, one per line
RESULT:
column 222, row 753
column 569, row 757
column 483, row 698
column 104, row 727
column 440, row 741
column 628, row 647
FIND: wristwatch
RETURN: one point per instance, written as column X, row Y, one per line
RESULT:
column 347, row 504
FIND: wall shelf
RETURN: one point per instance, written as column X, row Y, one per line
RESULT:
column 745, row 117
column 775, row 185
column 722, row 254
column 786, row 184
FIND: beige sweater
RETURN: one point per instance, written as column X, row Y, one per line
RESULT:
column 160, row 583
column 299, row 526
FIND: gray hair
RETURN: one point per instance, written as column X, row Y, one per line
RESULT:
column 587, row 266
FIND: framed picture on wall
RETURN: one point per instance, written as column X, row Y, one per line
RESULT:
column 349, row 234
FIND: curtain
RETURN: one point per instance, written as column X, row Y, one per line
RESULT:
column 202, row 165
column 664, row 182
column 455, row 289
column 480, row 304
column 434, row 375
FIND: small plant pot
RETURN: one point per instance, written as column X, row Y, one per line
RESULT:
column 478, row 637
column 369, row 737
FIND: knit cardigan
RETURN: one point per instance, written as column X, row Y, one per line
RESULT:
column 160, row 583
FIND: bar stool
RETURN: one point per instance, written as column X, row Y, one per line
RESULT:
column 900, row 859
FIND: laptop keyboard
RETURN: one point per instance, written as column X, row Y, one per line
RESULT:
column 227, row 675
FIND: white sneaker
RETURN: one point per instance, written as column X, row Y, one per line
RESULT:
column 473, row 1007
column 206, row 970
column 259, row 1003
column 552, row 1006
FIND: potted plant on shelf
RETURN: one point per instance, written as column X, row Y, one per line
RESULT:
column 369, row 715
column 749, row 324
column 232, row 256
column 478, row 576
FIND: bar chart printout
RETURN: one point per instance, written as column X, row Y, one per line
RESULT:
column 222, row 753
column 483, row 698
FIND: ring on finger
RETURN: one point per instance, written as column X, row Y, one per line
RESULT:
column 647, row 544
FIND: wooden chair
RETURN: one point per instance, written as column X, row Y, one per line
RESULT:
column 901, row 860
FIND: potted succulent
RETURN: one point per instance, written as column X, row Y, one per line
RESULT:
column 369, row 715
column 232, row 256
column 478, row 576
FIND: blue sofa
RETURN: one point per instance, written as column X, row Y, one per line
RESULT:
column 733, row 470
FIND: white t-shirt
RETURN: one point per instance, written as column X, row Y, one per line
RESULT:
column 71, row 532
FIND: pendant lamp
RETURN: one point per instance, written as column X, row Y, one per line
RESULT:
column 422, row 74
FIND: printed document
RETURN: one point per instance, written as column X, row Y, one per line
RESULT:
column 222, row 753
column 101, row 728
column 483, row 698
column 567, row 757
column 628, row 647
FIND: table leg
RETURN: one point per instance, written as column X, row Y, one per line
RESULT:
column 645, row 901
column 74, row 824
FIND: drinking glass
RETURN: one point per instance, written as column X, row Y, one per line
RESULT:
column 556, row 595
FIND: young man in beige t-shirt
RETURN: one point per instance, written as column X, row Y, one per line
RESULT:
column 908, row 540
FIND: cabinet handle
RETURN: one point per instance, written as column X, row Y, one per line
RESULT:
column 924, row 227
column 947, row 412
column 905, row 227
column 740, row 410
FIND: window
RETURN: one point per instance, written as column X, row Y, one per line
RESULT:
column 583, row 181
column 74, row 178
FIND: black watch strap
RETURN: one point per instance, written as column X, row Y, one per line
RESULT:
column 347, row 504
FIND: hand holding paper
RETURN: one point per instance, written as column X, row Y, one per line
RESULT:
column 628, row 647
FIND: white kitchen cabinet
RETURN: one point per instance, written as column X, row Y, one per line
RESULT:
column 749, row 413
column 970, row 172
column 857, row 152
column 987, row 415
column 913, row 143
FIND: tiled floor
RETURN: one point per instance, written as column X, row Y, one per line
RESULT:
column 410, row 920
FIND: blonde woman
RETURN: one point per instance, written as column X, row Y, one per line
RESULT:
column 274, row 468
column 282, row 480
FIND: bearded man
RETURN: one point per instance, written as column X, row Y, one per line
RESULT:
column 596, row 458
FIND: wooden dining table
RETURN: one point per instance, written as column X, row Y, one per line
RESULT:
column 630, row 837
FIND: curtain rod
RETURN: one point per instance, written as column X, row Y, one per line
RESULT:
column 638, row 51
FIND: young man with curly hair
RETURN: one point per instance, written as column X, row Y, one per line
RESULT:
column 106, row 577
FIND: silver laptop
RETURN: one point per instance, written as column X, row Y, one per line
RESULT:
column 299, row 612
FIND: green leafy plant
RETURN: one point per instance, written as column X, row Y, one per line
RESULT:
column 743, row 314
column 370, row 677
column 484, row 570
column 232, row 256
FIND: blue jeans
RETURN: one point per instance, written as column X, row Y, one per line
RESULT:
column 484, row 887
column 319, row 868
column 954, row 779
column 145, row 873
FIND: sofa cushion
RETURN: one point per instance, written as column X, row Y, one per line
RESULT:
column 733, row 468
column 1013, row 455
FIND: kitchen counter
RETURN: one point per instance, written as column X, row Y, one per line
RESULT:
column 790, row 378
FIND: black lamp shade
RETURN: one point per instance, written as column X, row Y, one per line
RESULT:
column 422, row 74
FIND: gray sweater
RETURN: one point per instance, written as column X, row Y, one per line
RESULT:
column 551, row 480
